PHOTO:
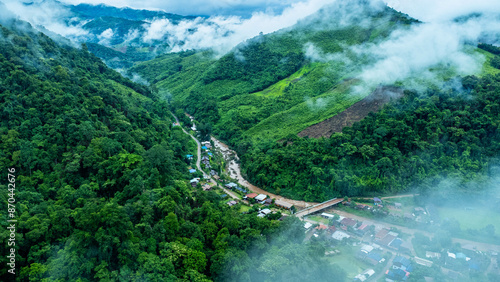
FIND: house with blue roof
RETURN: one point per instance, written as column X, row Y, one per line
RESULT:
column 402, row 263
column 192, row 170
column 397, row 275
column 204, row 147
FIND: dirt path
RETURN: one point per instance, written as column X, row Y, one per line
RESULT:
column 235, row 172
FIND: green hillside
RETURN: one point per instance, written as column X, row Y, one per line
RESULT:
column 100, row 183
column 271, row 83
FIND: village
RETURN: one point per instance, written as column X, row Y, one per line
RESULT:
column 372, row 239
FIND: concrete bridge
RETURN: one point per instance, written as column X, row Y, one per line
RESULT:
column 318, row 207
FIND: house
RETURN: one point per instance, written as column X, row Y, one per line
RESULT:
column 366, row 249
column 374, row 258
column 223, row 196
column 260, row 198
column 250, row 196
column 327, row 215
column 189, row 157
column 363, row 228
column 348, row 222
column 206, row 187
column 403, row 263
column 194, row 181
column 432, row 255
column 423, row 262
column 283, row 204
column 240, row 189
column 396, row 243
column 193, row 128
column 231, row 185
column 332, row 229
column 397, row 205
column 213, row 172
column 321, row 227
column 364, row 275
column 381, row 234
column 377, row 201
column 192, row 170
column 268, row 201
column 216, row 177
column 232, row 203
column 307, row 225
column 204, row 147
column 386, row 240
column 397, row 275
column 339, row 235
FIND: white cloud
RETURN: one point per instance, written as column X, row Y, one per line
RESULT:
column 443, row 10
column 106, row 36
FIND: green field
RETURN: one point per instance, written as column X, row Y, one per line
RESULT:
column 477, row 218
column 348, row 263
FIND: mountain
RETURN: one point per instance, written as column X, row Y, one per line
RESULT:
column 276, row 84
column 264, row 92
column 100, row 182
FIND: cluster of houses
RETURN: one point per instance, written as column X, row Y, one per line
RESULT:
column 390, row 239
column 259, row 198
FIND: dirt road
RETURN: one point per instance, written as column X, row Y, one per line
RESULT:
column 235, row 172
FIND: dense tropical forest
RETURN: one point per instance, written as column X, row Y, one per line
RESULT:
column 448, row 133
column 102, row 188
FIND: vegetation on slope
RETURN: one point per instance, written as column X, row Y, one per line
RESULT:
column 250, row 89
column 101, row 183
column 414, row 143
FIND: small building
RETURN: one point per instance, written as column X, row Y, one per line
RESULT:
column 364, row 275
column 397, row 275
column 283, row 204
column 189, row 157
column 194, row 182
column 321, row 227
column 307, row 225
column 423, row 262
column 348, row 222
column 206, row 187
column 339, row 235
column 374, row 258
column 327, row 215
column 216, row 177
column 366, row 248
column 403, row 263
column 232, row 203
column 432, row 255
column 192, row 170
column 397, row 205
column 204, row 147
column 250, row 196
column 377, row 201
column 381, row 234
column 268, row 201
column 260, row 198
column 231, row 185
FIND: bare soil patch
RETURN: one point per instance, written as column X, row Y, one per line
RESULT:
column 372, row 103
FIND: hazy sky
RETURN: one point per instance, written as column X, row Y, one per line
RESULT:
column 425, row 10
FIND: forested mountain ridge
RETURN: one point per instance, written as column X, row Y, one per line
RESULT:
column 101, row 183
column 276, row 84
